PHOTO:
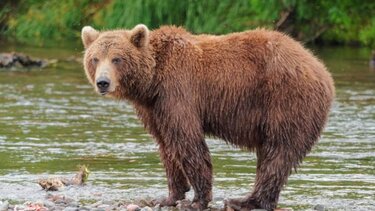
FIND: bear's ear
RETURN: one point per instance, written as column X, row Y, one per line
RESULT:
column 88, row 35
column 139, row 35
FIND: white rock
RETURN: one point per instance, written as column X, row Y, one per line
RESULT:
column 133, row 207
column 146, row 209
column 4, row 205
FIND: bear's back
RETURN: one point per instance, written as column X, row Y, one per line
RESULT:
column 256, row 78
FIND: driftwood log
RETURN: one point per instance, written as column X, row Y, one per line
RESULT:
column 9, row 60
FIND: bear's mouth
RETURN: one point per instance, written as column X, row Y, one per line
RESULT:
column 103, row 93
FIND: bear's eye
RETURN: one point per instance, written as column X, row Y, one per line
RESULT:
column 95, row 60
column 116, row 60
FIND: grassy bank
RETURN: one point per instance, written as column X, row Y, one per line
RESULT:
column 321, row 21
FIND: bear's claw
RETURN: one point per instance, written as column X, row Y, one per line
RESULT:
column 165, row 202
column 241, row 204
column 187, row 205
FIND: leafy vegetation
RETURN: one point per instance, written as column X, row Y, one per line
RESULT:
column 323, row 21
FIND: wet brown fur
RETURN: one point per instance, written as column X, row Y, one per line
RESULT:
column 259, row 90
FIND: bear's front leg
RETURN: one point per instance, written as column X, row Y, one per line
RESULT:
column 195, row 163
column 178, row 184
column 182, row 142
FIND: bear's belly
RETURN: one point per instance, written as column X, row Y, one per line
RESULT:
column 241, row 128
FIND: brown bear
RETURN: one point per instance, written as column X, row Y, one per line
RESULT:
column 259, row 90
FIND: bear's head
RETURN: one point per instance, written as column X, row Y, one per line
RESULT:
column 118, row 63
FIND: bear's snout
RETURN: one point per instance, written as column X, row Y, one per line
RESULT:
column 103, row 84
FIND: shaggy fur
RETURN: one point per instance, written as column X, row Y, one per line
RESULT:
column 259, row 90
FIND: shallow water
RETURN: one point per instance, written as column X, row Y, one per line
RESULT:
column 51, row 121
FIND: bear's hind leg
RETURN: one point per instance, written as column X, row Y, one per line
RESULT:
column 273, row 169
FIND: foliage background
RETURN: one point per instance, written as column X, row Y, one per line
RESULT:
column 318, row 21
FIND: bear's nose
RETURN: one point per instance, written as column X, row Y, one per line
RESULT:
column 102, row 83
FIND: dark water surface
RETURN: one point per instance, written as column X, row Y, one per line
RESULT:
column 51, row 121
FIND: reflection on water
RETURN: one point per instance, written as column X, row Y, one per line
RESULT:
column 51, row 120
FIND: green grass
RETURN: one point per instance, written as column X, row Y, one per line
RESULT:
column 326, row 21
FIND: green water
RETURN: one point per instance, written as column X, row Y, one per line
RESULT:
column 51, row 121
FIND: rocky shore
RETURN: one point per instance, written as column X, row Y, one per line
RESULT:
column 58, row 202
column 61, row 202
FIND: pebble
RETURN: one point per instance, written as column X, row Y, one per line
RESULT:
column 98, row 209
column 19, row 207
column 74, row 204
column 57, row 208
column 4, row 205
column 109, row 202
column 71, row 209
column 157, row 207
column 229, row 209
column 96, row 204
column 104, row 206
column 48, row 204
column 215, row 206
column 60, row 201
column 84, row 208
column 133, row 207
column 183, row 204
column 146, row 209
column 144, row 203
column 319, row 207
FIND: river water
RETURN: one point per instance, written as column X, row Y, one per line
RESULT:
column 51, row 121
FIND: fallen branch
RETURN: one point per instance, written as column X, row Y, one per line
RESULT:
column 54, row 184
column 316, row 34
